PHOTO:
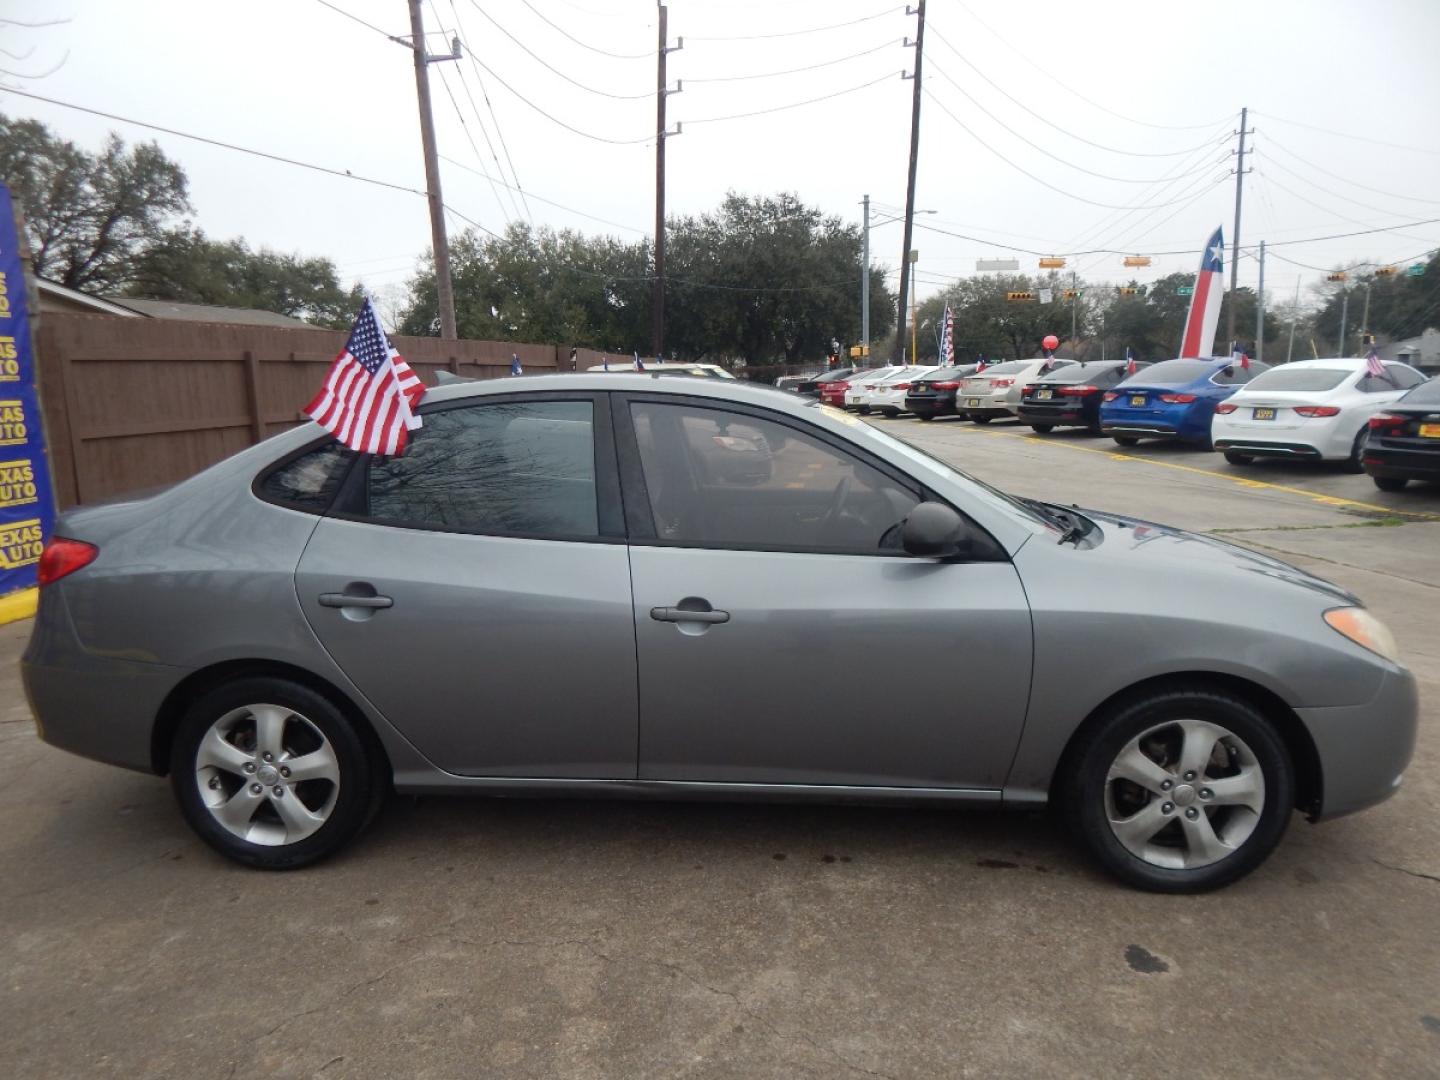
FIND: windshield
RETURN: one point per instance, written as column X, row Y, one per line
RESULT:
column 1298, row 378
column 1178, row 372
column 1427, row 393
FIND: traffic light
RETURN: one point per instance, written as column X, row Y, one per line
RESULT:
column 1386, row 271
column 1137, row 260
column 1052, row 263
column 1019, row 296
column 1069, row 294
column 1128, row 290
column 1338, row 275
column 1367, row 339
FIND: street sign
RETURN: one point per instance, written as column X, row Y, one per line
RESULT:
column 1049, row 263
column 1004, row 265
column 1415, row 270
column 1137, row 260
column 1185, row 290
column 1046, row 295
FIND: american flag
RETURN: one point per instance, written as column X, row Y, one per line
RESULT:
column 1240, row 356
column 947, row 339
column 369, row 397
column 1373, row 366
column 1130, row 368
column 515, row 368
column 639, row 364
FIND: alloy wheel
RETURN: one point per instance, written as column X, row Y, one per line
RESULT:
column 267, row 774
column 1184, row 794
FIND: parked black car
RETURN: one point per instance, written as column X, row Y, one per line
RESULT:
column 1070, row 396
column 934, row 395
column 1404, row 440
column 811, row 386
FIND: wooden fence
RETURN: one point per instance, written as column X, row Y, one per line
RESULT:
column 136, row 403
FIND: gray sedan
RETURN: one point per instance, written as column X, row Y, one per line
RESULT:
column 586, row 586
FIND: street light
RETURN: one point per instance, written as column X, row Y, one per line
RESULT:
column 865, row 269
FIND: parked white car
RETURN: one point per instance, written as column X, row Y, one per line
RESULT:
column 995, row 391
column 857, row 395
column 888, row 398
column 1311, row 409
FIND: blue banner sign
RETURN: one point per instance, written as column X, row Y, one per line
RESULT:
column 27, row 507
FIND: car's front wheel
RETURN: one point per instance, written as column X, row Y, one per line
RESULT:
column 1042, row 429
column 1238, row 459
column 1126, row 440
column 982, row 418
column 1355, row 462
column 1180, row 790
column 272, row 773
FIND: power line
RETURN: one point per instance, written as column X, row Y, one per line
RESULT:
column 551, row 67
column 548, row 202
column 1272, row 141
column 794, row 71
column 1064, row 86
column 553, row 119
column 1044, row 183
column 798, row 33
column 585, row 44
column 470, row 138
column 1048, row 153
column 1335, row 213
column 499, row 132
column 345, row 173
column 1320, row 187
column 356, row 18
column 490, row 145
column 791, row 105
column 1347, row 135
column 1064, row 131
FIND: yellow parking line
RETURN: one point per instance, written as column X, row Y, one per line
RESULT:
column 1327, row 500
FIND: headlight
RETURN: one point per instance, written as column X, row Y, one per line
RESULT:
column 1364, row 629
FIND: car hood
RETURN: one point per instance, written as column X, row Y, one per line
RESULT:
column 1149, row 540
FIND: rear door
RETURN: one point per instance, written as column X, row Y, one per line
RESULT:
column 476, row 589
column 754, row 592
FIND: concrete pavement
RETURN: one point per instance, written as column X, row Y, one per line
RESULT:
column 584, row 939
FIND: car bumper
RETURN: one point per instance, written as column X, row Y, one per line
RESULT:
column 1363, row 749
column 1409, row 464
column 1057, row 417
column 1261, row 448
column 928, row 407
column 1140, row 429
column 99, row 707
column 1315, row 438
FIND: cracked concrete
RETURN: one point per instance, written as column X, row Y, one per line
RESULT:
column 520, row 939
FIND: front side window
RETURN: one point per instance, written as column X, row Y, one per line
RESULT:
column 722, row 479
column 524, row 468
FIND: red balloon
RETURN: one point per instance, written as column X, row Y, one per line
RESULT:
column 1051, row 341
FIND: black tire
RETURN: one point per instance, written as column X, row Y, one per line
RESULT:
column 1390, row 483
column 1087, row 763
column 1238, row 459
column 890, row 414
column 1042, row 429
column 1355, row 462
column 925, row 416
column 1125, row 440
column 864, row 410
column 363, row 773
column 1094, row 429
column 982, row 419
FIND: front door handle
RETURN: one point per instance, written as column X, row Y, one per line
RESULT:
column 684, row 615
column 344, row 600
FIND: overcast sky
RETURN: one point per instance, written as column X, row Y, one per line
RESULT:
column 1164, row 83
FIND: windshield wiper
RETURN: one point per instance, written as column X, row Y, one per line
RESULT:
column 1073, row 526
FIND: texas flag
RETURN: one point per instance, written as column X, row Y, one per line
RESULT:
column 1130, row 367
column 1200, row 324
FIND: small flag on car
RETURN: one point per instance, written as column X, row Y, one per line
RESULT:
column 1373, row 366
column 947, row 339
column 1241, row 357
column 515, row 368
column 605, row 361
column 981, row 364
column 369, row 396
column 1129, row 361
column 639, row 364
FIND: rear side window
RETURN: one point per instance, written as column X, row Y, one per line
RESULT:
column 1236, row 375
column 515, row 468
column 1297, row 378
column 1179, row 372
column 1427, row 393
column 1405, row 376
column 310, row 481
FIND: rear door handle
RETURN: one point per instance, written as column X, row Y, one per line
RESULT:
column 681, row 615
column 344, row 600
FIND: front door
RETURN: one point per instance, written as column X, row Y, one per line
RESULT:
column 470, row 590
column 784, row 638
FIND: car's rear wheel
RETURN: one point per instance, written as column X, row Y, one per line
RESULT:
column 1238, row 459
column 272, row 774
column 1126, row 440
column 1390, row 483
column 1355, row 462
column 1042, row 429
column 1180, row 790
column 925, row 416
column 982, row 419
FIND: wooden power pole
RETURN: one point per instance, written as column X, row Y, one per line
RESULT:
column 444, row 289
column 905, row 282
column 657, row 292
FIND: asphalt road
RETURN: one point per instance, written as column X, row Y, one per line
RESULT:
column 581, row 939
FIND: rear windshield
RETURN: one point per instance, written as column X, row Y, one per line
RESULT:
column 947, row 374
column 1427, row 393
column 1006, row 369
column 1078, row 373
column 1176, row 372
column 1293, row 378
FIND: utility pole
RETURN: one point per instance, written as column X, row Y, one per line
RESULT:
column 657, row 293
column 1260, row 309
column 444, row 290
column 865, row 280
column 1074, row 307
column 1235, row 236
column 1344, row 317
column 905, row 282
column 1294, row 318
column 1365, row 318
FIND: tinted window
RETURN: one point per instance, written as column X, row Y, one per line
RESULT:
column 1086, row 373
column 1427, row 393
column 1298, row 378
column 1008, row 368
column 723, row 479
column 1391, row 381
column 526, row 468
column 1179, row 372
column 1235, row 375
column 311, row 480
column 949, row 374
column 1405, row 375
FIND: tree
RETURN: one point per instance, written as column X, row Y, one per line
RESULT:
column 184, row 265
column 88, row 215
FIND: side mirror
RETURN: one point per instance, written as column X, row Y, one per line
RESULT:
column 935, row 531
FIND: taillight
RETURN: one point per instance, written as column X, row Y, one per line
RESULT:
column 1317, row 410
column 1078, row 391
column 946, row 385
column 1386, row 423
column 62, row 557
column 1030, row 389
column 902, row 386
column 1177, row 399
column 1110, row 395
column 1225, row 408
column 1000, row 384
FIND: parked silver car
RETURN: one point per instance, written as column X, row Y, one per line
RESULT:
column 557, row 589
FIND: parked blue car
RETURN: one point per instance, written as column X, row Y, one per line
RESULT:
column 1174, row 399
